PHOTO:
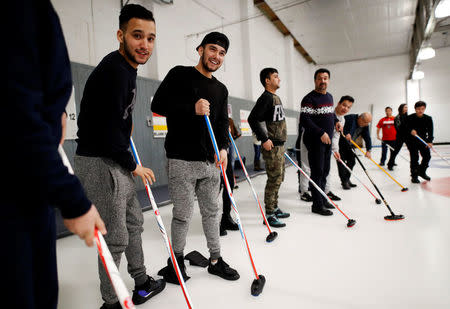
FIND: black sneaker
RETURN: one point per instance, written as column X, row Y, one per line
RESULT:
column 281, row 214
column 223, row 270
column 321, row 211
column 228, row 223
column 329, row 206
column 425, row 176
column 381, row 163
column 150, row 288
column 345, row 185
column 391, row 168
column 274, row 222
column 333, row 197
column 351, row 184
column 306, row 197
column 415, row 180
column 111, row 306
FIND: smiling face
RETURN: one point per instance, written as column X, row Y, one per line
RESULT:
column 388, row 112
column 211, row 57
column 420, row 111
column 321, row 82
column 137, row 41
column 343, row 107
column 405, row 109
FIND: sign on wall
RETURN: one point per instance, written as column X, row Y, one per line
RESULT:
column 159, row 126
column 245, row 127
column 71, row 126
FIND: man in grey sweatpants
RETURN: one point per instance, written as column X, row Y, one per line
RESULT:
column 103, row 162
column 184, row 97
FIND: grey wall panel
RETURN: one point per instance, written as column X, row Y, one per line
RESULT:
column 151, row 150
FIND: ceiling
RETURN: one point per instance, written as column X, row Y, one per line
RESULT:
column 441, row 35
column 333, row 31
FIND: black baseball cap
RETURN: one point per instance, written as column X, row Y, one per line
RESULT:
column 215, row 38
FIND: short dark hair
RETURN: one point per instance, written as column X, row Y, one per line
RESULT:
column 322, row 70
column 130, row 11
column 346, row 98
column 420, row 104
column 265, row 73
column 387, row 107
column 400, row 108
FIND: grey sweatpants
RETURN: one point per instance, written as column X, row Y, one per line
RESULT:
column 112, row 190
column 203, row 179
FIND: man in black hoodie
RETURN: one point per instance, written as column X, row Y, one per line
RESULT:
column 185, row 95
column 39, row 85
column 104, row 163
column 421, row 125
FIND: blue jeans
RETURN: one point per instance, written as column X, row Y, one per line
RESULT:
column 257, row 152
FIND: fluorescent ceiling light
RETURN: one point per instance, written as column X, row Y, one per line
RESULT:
column 418, row 75
column 442, row 9
column 426, row 53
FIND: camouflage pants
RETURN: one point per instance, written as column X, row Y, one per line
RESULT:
column 274, row 162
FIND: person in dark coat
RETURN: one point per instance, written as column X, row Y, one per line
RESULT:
column 39, row 84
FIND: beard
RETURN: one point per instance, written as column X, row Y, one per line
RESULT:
column 322, row 87
column 205, row 65
column 128, row 52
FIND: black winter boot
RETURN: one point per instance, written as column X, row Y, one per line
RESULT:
column 223, row 270
column 169, row 274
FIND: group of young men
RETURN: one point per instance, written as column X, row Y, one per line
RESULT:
column 103, row 164
column 403, row 129
column 104, row 167
column 325, row 130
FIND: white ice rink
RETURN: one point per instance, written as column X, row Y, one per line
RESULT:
column 316, row 262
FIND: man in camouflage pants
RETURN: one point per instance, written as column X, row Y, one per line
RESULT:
column 269, row 109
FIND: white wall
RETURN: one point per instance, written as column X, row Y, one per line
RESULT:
column 435, row 91
column 379, row 82
column 90, row 28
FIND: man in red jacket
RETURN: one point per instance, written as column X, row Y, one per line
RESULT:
column 386, row 125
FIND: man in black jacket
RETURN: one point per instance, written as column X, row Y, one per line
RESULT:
column 355, row 126
column 269, row 108
column 104, row 163
column 184, row 97
column 421, row 125
column 402, row 133
column 39, row 84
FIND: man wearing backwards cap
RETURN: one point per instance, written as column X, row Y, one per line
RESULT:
column 184, row 97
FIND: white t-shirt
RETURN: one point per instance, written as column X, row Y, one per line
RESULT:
column 337, row 135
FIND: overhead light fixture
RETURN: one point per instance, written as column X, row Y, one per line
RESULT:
column 426, row 53
column 418, row 75
column 443, row 9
